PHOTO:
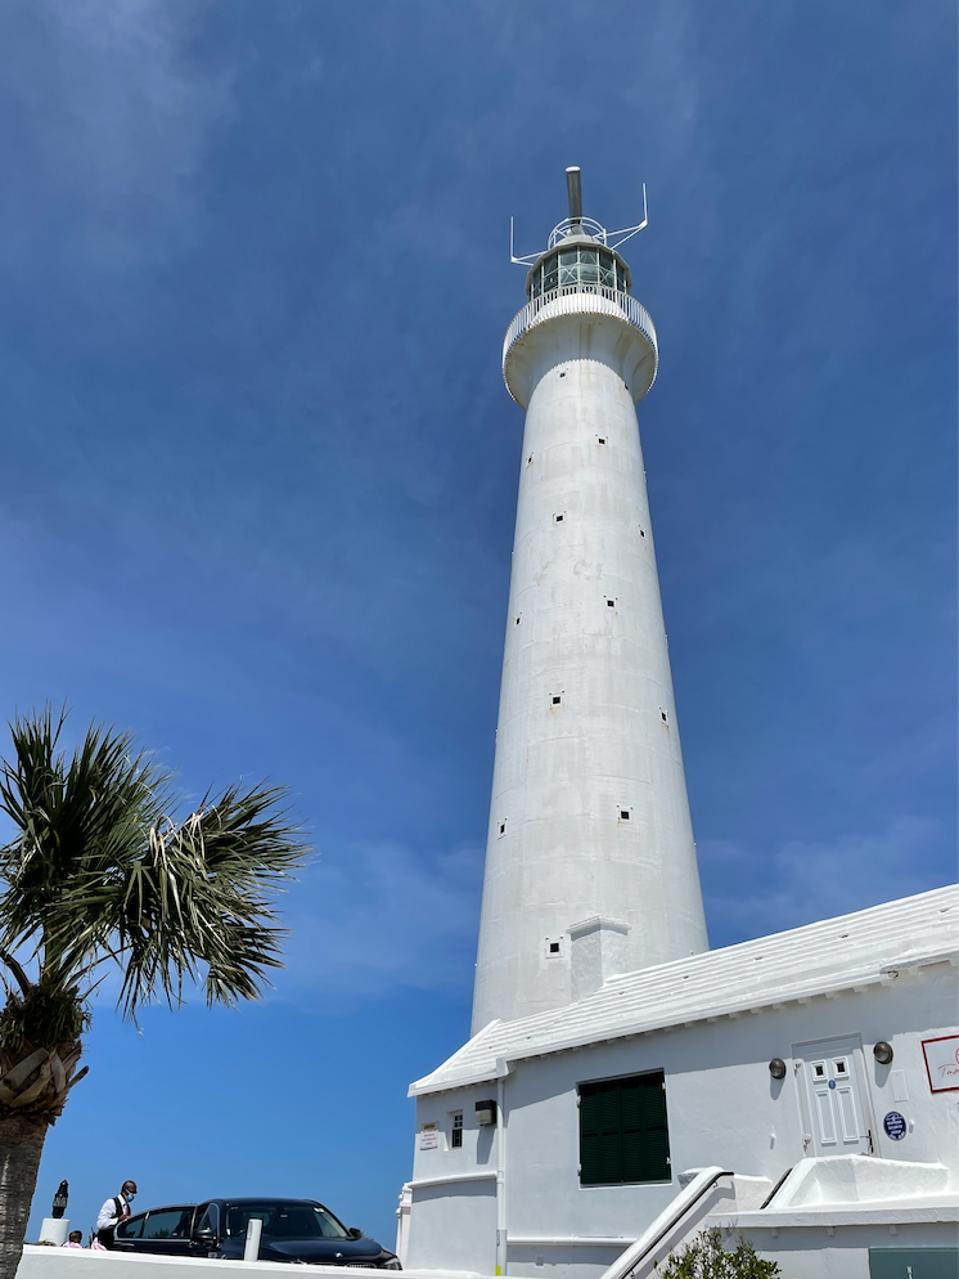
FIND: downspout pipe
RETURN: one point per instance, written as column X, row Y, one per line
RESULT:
column 501, row 1236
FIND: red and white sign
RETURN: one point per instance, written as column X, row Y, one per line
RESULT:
column 942, row 1063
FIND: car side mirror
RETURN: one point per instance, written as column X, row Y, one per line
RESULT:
column 355, row 1232
column 206, row 1235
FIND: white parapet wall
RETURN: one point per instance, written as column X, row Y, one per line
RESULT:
column 842, row 1251
column 72, row 1263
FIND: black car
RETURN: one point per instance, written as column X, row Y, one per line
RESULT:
column 294, row 1230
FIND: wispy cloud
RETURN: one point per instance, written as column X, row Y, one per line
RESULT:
column 114, row 118
column 381, row 919
column 807, row 880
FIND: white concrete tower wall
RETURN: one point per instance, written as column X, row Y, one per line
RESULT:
column 589, row 818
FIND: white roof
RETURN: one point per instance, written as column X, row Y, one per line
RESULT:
column 845, row 953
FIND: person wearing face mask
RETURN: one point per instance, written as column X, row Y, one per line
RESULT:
column 114, row 1210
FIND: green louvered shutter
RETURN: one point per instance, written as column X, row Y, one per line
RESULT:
column 622, row 1131
column 599, row 1134
column 645, row 1138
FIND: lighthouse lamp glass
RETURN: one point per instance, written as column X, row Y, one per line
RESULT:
column 578, row 267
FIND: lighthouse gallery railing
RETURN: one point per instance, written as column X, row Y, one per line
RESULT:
column 580, row 301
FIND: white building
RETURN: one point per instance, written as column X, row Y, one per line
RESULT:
column 624, row 1085
column 601, row 1109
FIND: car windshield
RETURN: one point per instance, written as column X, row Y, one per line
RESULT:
column 284, row 1220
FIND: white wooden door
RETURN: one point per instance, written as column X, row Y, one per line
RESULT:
column 833, row 1086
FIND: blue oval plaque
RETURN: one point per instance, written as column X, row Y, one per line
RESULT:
column 895, row 1125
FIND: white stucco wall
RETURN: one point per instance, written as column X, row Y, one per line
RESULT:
column 67, row 1263
column 843, row 1252
column 723, row 1107
column 585, row 624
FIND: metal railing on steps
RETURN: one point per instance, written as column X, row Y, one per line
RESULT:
column 644, row 1249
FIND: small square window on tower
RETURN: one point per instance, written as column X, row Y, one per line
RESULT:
column 553, row 947
column 610, row 603
column 625, row 814
column 664, row 715
column 556, row 699
column 559, row 517
column 502, row 827
column 600, row 439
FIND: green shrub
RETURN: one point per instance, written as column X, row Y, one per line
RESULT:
column 705, row 1258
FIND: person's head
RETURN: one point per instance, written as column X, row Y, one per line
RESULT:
column 128, row 1189
column 75, row 1236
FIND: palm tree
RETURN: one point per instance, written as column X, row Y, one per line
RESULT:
column 99, row 875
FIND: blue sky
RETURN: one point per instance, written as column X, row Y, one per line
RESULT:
column 259, row 475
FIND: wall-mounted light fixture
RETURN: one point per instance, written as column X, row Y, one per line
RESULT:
column 777, row 1068
column 882, row 1052
column 485, row 1112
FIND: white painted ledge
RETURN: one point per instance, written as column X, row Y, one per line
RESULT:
column 570, row 1241
column 451, row 1179
column 944, row 1210
column 55, row 1263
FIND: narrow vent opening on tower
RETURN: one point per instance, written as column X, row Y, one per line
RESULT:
column 558, row 518
column 642, row 532
column 600, row 439
column 529, row 460
column 664, row 715
column 502, row 827
column 517, row 619
column 563, row 374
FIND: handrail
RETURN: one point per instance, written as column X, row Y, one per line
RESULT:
column 775, row 1190
column 576, row 226
column 625, row 307
column 667, row 1220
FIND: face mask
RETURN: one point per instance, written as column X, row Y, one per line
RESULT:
column 129, row 1195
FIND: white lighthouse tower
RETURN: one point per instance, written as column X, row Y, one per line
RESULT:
column 624, row 1086
column 590, row 862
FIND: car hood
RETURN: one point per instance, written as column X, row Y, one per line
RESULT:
column 335, row 1252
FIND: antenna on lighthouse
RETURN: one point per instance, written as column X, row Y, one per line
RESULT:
column 576, row 224
column 574, row 192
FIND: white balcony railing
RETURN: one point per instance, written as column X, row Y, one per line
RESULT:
column 580, row 300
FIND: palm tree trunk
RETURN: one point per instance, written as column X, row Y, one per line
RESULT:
column 21, row 1144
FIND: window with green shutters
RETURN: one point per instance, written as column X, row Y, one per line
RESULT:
column 623, row 1135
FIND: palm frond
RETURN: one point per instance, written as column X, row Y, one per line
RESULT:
column 97, row 874
column 83, row 816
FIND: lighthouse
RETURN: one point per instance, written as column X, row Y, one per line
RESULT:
column 625, row 1087
column 590, row 862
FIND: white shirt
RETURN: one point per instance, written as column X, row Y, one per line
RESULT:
column 107, row 1216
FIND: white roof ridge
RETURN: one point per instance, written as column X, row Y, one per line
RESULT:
column 946, row 890
column 905, row 932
